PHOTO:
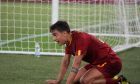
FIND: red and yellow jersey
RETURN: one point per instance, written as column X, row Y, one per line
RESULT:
column 94, row 50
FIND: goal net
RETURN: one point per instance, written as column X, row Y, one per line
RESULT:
column 23, row 23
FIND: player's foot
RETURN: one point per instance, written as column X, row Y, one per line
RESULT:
column 122, row 80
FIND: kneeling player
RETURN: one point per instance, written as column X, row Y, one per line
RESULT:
column 103, row 63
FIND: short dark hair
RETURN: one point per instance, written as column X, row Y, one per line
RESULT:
column 60, row 26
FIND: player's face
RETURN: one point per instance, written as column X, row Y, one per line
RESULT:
column 59, row 37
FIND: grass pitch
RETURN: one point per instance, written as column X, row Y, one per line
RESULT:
column 27, row 69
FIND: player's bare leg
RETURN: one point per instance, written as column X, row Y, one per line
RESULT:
column 93, row 76
column 80, row 73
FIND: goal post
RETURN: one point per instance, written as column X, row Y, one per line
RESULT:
column 25, row 22
column 55, row 10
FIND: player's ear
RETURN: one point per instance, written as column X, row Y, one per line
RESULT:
column 64, row 32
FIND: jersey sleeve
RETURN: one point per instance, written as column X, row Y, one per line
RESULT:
column 67, row 50
column 82, row 46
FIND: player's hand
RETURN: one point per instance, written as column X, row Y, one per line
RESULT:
column 51, row 82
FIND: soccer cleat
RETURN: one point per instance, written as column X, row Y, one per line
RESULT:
column 122, row 79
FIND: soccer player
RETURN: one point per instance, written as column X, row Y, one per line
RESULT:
column 103, row 62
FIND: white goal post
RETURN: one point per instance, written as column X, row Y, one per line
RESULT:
column 25, row 22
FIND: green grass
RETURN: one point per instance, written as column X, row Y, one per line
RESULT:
column 27, row 69
column 131, row 68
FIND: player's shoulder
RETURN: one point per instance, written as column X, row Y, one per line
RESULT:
column 80, row 34
column 75, row 32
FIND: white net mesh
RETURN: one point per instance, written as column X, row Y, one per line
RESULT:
column 25, row 22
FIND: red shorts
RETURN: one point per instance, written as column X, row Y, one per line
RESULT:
column 108, row 69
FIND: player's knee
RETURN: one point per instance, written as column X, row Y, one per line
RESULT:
column 84, row 81
column 100, row 81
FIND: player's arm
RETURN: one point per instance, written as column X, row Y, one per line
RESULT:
column 74, row 69
column 63, row 68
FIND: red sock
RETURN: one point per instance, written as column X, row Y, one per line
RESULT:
column 111, row 81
